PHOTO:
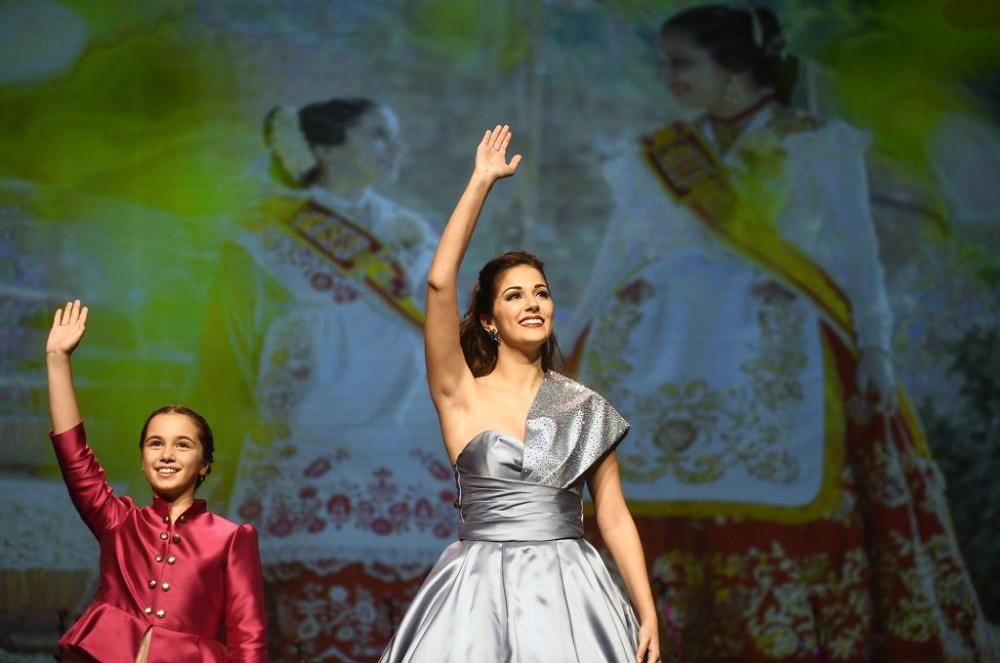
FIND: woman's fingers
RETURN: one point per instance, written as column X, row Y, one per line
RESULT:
column 648, row 650
column 491, row 155
column 501, row 136
column 70, row 314
column 640, row 654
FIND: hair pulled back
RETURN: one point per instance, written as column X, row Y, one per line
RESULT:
column 204, row 432
column 293, row 133
column 479, row 349
column 740, row 40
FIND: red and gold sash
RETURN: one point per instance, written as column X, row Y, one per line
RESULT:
column 352, row 251
column 697, row 179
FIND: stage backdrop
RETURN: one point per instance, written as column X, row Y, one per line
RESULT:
column 136, row 174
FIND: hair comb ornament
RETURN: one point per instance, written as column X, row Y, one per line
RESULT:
column 773, row 47
column 289, row 144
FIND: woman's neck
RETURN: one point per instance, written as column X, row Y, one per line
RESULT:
column 516, row 370
column 740, row 103
column 344, row 182
column 729, row 126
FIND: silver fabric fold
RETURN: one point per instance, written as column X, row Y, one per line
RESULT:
column 569, row 428
column 495, row 509
column 487, row 602
column 522, row 586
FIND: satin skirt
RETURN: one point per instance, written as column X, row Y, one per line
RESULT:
column 523, row 602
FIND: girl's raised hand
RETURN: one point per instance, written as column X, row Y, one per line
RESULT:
column 67, row 328
column 491, row 155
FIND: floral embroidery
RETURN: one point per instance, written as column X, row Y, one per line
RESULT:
column 806, row 605
column 748, row 420
column 607, row 369
column 381, row 503
column 343, row 612
column 309, row 265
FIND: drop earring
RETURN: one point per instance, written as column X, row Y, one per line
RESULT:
column 494, row 335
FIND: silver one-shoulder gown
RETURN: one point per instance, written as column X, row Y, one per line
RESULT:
column 521, row 585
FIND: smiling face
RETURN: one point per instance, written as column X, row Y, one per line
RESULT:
column 694, row 78
column 173, row 458
column 522, row 308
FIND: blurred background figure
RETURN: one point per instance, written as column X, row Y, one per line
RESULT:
column 739, row 314
column 319, row 367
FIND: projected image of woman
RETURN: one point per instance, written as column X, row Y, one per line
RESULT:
column 521, row 584
column 737, row 314
column 313, row 351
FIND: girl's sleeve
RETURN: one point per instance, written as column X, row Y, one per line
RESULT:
column 246, row 630
column 88, row 487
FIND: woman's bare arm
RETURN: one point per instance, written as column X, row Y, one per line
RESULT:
column 446, row 367
column 620, row 535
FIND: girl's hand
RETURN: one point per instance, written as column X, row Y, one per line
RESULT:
column 491, row 155
column 649, row 643
column 67, row 329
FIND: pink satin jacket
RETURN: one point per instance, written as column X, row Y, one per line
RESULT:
column 196, row 582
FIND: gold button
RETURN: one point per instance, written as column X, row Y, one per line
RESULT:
column 183, row 518
column 177, row 538
column 159, row 558
column 171, row 559
column 164, row 536
column 147, row 610
column 166, row 586
column 161, row 613
column 166, row 519
column 152, row 584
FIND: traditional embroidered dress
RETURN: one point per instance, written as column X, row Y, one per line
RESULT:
column 785, row 516
column 321, row 354
column 522, row 584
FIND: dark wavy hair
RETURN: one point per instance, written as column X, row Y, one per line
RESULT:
column 728, row 34
column 204, row 432
column 479, row 350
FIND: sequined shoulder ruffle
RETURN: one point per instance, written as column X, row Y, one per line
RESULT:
column 569, row 428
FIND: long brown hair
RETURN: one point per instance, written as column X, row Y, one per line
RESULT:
column 479, row 349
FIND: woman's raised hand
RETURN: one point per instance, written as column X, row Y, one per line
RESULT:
column 491, row 155
column 67, row 328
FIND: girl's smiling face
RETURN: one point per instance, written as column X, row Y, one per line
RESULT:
column 173, row 458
